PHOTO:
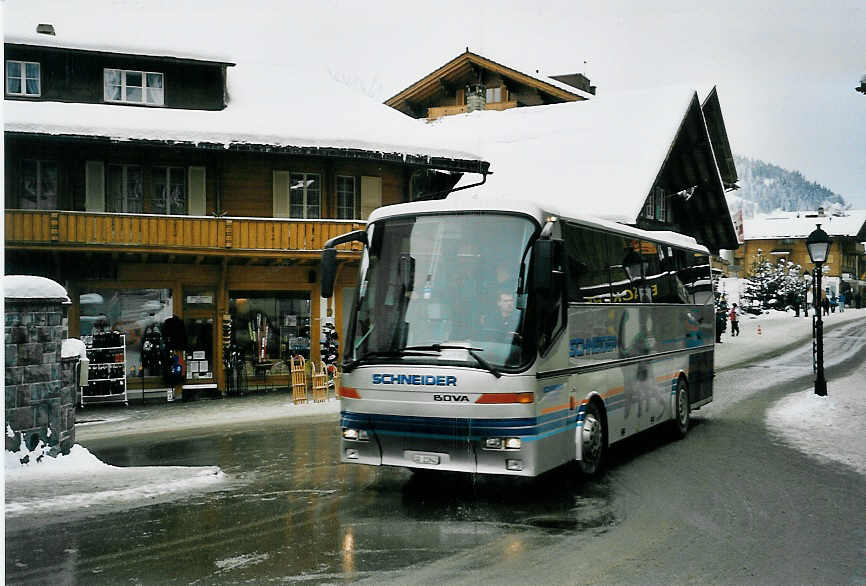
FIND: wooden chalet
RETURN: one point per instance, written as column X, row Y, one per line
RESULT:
column 472, row 82
column 113, row 189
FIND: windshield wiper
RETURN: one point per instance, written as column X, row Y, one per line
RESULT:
column 473, row 352
column 382, row 353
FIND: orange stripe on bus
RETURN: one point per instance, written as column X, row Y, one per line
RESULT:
column 554, row 408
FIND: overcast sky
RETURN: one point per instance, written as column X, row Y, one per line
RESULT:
column 786, row 71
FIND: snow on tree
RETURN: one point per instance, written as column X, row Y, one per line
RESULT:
column 776, row 285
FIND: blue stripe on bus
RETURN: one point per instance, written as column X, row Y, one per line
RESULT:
column 529, row 428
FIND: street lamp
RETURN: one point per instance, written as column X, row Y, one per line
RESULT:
column 818, row 244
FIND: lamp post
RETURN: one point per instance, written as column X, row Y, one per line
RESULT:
column 818, row 244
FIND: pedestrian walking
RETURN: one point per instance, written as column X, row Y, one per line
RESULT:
column 857, row 300
column 825, row 303
column 841, row 302
column 720, row 324
column 833, row 303
column 735, row 320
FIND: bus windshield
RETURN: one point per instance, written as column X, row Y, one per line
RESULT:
column 433, row 285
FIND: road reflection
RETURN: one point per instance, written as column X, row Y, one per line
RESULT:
column 291, row 511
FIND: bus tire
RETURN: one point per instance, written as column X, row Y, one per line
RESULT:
column 682, row 410
column 593, row 445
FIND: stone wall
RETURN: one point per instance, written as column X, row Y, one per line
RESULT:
column 40, row 387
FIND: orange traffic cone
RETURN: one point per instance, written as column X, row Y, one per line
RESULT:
column 759, row 329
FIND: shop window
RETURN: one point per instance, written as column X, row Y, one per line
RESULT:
column 199, row 351
column 169, row 191
column 125, row 188
column 270, row 327
column 304, row 195
column 138, row 313
column 38, row 185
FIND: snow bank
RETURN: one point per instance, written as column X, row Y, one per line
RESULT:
column 831, row 427
column 42, row 484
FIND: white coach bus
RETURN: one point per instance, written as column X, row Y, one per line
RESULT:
column 501, row 338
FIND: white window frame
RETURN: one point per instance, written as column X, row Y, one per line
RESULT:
column 40, row 164
column 306, row 180
column 23, row 78
column 124, row 185
column 166, row 170
column 353, row 213
column 123, row 87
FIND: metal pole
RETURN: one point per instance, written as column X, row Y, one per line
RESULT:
column 820, row 382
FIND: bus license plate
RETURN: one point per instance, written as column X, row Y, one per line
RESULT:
column 429, row 459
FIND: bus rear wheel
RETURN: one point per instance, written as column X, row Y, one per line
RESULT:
column 682, row 410
column 593, row 446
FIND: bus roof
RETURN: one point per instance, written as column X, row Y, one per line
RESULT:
column 473, row 203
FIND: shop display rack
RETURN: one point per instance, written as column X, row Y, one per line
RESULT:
column 106, row 374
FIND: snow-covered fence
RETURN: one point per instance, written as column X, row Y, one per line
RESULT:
column 40, row 383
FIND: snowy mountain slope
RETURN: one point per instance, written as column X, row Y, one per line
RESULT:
column 765, row 187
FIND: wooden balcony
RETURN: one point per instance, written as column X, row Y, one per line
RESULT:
column 225, row 236
column 440, row 111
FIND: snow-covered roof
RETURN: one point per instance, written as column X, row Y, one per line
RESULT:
column 800, row 224
column 325, row 114
column 32, row 287
column 302, row 105
column 598, row 157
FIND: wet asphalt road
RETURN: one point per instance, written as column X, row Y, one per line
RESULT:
column 728, row 505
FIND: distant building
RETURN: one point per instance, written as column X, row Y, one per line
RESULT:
column 472, row 82
column 783, row 235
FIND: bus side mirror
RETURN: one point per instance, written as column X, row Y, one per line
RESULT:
column 329, row 271
column 547, row 274
column 329, row 259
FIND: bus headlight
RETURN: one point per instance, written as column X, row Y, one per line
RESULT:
column 355, row 434
column 498, row 443
column 493, row 443
column 512, row 443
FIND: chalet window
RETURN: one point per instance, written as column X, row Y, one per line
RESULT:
column 168, row 194
column 304, row 195
column 134, row 87
column 125, row 189
column 23, row 78
column 493, row 94
column 345, row 197
column 39, row 181
column 656, row 206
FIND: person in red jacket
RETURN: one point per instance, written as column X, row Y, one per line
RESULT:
column 735, row 320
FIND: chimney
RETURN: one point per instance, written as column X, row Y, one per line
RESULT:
column 45, row 29
column 820, row 211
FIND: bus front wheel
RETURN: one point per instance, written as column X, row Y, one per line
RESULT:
column 593, row 446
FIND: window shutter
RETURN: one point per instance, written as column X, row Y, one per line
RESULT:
column 371, row 195
column 197, row 192
column 281, row 194
column 94, row 181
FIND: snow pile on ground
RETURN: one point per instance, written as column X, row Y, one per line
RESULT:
column 828, row 427
column 37, row 483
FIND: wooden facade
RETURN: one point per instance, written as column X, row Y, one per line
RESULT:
column 231, row 233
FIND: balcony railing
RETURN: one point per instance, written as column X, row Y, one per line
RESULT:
column 440, row 111
column 140, row 232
